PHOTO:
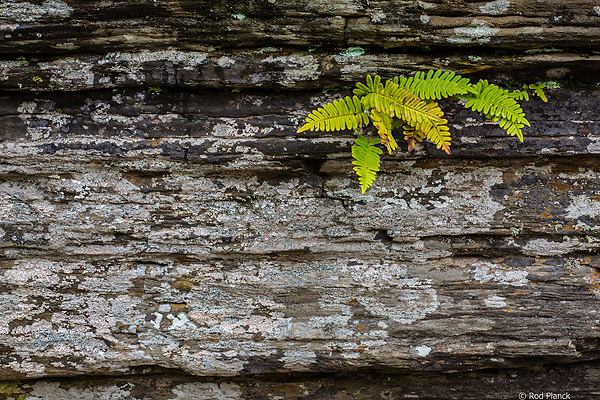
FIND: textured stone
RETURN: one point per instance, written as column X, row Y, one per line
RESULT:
column 98, row 26
column 275, row 68
column 166, row 234
column 152, row 383
column 167, row 229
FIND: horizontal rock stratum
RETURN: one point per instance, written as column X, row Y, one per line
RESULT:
column 167, row 234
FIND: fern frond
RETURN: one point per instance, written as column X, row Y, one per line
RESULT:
column 436, row 84
column 439, row 134
column 366, row 158
column 412, row 136
column 519, row 94
column 373, row 85
column 399, row 102
column 538, row 90
column 498, row 105
column 336, row 116
column 512, row 128
column 383, row 122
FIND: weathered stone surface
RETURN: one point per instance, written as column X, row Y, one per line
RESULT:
column 67, row 26
column 203, row 234
column 248, row 131
column 160, row 218
column 272, row 68
column 582, row 383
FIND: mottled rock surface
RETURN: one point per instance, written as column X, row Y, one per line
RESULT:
column 166, row 234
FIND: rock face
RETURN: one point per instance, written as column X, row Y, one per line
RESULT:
column 166, row 233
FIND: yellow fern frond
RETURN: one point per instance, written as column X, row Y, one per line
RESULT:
column 412, row 136
column 396, row 101
column 439, row 134
column 383, row 123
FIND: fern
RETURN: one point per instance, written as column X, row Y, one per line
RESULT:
column 409, row 103
column 366, row 159
column 412, row 136
column 383, row 123
column 337, row 116
column 538, row 90
column 435, row 85
column 498, row 105
column 397, row 101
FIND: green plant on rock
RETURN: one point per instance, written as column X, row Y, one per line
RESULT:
column 410, row 103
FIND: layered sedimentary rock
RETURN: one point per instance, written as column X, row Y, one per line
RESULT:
column 159, row 214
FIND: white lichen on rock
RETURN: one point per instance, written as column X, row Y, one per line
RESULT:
column 480, row 31
column 16, row 11
column 495, row 7
column 484, row 272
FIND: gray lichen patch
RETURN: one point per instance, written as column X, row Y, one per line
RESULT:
column 356, row 306
column 224, row 391
column 23, row 12
column 497, row 7
column 54, row 391
column 480, row 31
column 489, row 272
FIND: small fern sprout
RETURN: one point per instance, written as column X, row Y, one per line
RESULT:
column 409, row 103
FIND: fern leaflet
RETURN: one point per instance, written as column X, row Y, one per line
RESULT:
column 498, row 105
column 396, row 101
column 336, row 116
column 366, row 158
column 435, row 85
column 383, row 123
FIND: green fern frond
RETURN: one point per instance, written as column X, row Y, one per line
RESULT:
column 512, row 128
column 336, row 116
column 519, row 94
column 373, row 85
column 538, row 90
column 366, row 158
column 498, row 105
column 436, row 84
